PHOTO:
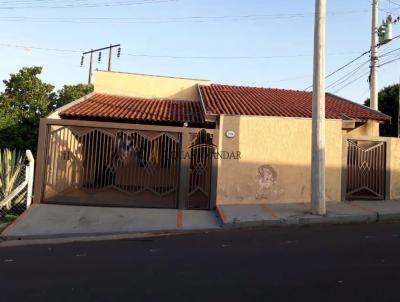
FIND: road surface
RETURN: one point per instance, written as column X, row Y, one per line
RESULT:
column 335, row 263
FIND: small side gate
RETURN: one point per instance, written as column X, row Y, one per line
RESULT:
column 366, row 170
column 92, row 163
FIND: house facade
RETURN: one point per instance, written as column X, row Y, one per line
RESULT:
column 153, row 141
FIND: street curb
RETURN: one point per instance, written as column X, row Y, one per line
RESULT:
column 62, row 239
column 299, row 221
column 11, row 225
column 333, row 217
column 291, row 222
column 3, row 226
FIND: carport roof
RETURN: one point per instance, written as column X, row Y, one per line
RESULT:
column 124, row 108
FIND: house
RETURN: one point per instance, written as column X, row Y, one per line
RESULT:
column 154, row 141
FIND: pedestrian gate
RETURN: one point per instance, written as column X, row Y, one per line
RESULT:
column 366, row 169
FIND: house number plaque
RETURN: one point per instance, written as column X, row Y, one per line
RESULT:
column 230, row 134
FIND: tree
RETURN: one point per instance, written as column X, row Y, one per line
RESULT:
column 388, row 99
column 68, row 94
column 22, row 104
column 25, row 100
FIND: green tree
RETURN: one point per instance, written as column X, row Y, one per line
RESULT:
column 68, row 94
column 22, row 104
column 388, row 99
column 25, row 100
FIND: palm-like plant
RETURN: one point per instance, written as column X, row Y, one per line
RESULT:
column 11, row 163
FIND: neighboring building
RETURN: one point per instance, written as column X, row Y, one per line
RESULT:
column 147, row 141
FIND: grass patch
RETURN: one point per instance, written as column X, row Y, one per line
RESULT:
column 8, row 218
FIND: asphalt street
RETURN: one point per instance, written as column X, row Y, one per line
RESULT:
column 335, row 263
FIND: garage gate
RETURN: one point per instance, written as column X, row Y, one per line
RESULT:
column 92, row 163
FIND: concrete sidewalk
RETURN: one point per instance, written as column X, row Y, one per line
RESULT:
column 47, row 221
column 55, row 221
column 299, row 213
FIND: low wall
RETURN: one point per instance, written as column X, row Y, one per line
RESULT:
column 275, row 164
column 394, row 168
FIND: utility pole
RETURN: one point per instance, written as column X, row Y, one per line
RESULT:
column 398, row 111
column 318, row 206
column 109, row 58
column 90, row 67
column 92, row 51
column 374, row 56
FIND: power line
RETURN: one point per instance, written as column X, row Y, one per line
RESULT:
column 343, row 67
column 87, row 5
column 389, row 62
column 195, row 19
column 347, row 76
column 40, row 48
column 180, row 57
column 232, row 57
column 352, row 61
column 354, row 72
column 349, row 83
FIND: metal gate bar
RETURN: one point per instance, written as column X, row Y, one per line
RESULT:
column 124, row 167
column 103, row 163
column 366, row 169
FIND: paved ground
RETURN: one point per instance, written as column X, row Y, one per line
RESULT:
column 58, row 221
column 299, row 213
column 47, row 221
column 332, row 263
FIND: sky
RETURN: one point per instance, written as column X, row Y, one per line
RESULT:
column 254, row 43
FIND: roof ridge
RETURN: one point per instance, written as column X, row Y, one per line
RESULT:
column 257, row 87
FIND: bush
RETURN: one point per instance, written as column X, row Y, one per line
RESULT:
column 11, row 168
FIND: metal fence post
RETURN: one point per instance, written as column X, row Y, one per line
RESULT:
column 184, row 171
column 29, row 177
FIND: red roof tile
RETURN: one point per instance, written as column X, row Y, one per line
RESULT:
column 239, row 100
column 123, row 108
column 218, row 99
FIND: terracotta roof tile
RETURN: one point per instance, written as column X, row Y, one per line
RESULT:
column 123, row 108
column 239, row 100
column 218, row 99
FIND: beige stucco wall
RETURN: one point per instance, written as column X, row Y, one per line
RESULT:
column 285, row 145
column 370, row 128
column 146, row 86
column 394, row 168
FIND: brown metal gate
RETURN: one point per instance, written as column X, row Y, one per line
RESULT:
column 366, row 169
column 93, row 163
column 112, row 166
column 201, row 155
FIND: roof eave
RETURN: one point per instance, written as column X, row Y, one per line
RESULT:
column 73, row 103
column 208, row 117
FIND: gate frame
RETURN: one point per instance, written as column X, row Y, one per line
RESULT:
column 184, row 165
column 344, row 161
